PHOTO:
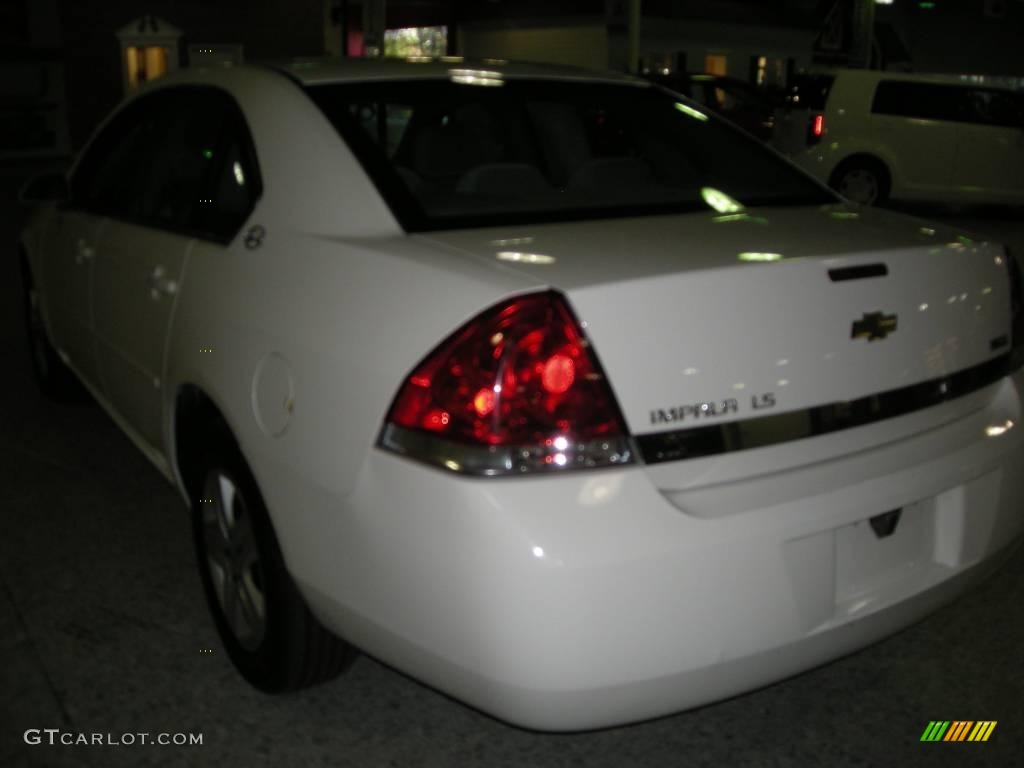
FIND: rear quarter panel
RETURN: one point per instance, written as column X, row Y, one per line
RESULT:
column 335, row 300
column 340, row 323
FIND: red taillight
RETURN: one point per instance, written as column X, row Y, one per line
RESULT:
column 517, row 388
column 816, row 129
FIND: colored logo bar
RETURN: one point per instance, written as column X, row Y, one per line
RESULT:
column 958, row 730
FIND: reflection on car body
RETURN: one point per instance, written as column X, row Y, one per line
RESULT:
column 748, row 106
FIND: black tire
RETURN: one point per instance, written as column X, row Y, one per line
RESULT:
column 291, row 650
column 862, row 180
column 53, row 378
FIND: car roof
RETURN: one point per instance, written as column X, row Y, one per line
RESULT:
column 325, row 70
column 911, row 77
column 703, row 77
column 707, row 77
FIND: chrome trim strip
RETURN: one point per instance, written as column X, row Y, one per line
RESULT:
column 763, row 431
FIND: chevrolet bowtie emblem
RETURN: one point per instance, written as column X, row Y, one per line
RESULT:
column 874, row 325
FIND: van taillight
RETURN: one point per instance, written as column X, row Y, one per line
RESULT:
column 816, row 129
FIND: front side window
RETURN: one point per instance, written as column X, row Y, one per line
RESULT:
column 179, row 159
column 448, row 155
column 109, row 177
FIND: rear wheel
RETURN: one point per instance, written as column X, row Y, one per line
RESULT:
column 269, row 633
column 54, row 379
column 862, row 180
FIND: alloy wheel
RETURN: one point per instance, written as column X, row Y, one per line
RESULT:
column 233, row 559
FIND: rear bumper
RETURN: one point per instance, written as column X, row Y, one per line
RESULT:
column 594, row 598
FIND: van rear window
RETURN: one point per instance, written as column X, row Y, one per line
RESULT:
column 809, row 91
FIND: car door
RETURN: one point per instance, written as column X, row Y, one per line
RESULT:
column 990, row 144
column 104, row 182
column 140, row 262
column 917, row 125
column 66, row 280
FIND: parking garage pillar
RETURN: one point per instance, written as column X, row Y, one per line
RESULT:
column 373, row 27
column 863, row 33
column 633, row 35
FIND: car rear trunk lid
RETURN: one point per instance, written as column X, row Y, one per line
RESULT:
column 832, row 316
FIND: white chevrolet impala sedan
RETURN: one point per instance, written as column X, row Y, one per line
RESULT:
column 547, row 388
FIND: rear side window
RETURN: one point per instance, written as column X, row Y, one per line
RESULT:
column 181, row 165
column 924, row 101
column 999, row 108
column 203, row 179
column 234, row 187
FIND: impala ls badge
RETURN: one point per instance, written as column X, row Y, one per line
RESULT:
column 874, row 325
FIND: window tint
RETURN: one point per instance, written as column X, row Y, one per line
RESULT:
column 700, row 93
column 384, row 123
column 108, row 179
column 181, row 166
column 179, row 159
column 991, row 107
column 235, row 185
column 726, row 96
column 535, row 150
column 925, row 101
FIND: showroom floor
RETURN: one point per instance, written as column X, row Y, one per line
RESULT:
column 103, row 630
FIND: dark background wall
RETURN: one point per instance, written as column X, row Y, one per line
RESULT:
column 957, row 36
column 962, row 36
column 265, row 28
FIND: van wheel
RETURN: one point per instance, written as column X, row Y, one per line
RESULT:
column 54, row 379
column 862, row 180
column 269, row 633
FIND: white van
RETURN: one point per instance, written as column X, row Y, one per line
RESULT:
column 876, row 135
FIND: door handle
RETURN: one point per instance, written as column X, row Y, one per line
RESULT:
column 83, row 252
column 161, row 284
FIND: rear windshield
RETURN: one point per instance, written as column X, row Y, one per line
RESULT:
column 448, row 155
column 809, row 91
